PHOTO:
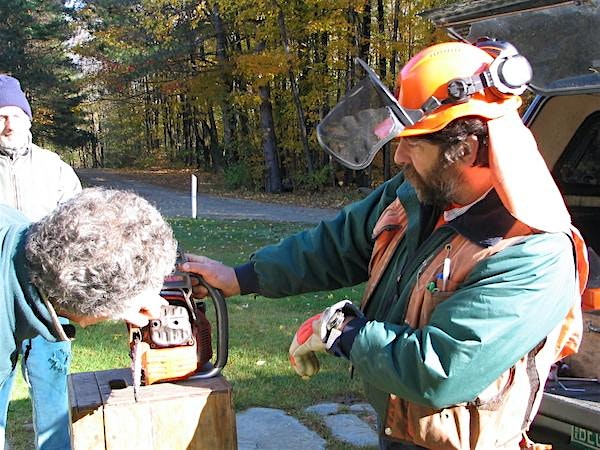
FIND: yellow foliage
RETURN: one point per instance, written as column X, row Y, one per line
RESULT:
column 265, row 65
column 165, row 62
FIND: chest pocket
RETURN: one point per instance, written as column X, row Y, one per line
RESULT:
column 436, row 283
column 431, row 289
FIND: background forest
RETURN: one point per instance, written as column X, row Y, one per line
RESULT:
column 231, row 87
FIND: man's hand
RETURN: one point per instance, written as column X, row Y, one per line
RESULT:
column 305, row 343
column 144, row 307
column 140, row 309
column 319, row 334
column 217, row 274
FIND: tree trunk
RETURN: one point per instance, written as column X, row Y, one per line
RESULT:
column 170, row 143
column 363, row 177
column 270, row 152
column 387, row 169
column 96, row 149
column 223, row 59
column 187, row 131
column 364, row 38
column 215, row 151
column 201, row 152
column 206, row 155
column 295, row 93
column 395, row 27
column 147, row 118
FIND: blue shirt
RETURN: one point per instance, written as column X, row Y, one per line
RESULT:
column 22, row 312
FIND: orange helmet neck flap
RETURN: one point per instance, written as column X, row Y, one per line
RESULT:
column 438, row 85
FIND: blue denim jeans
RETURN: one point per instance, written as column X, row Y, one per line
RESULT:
column 45, row 366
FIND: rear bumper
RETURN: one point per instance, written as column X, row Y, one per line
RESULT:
column 578, row 421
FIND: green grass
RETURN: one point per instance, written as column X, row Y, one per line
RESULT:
column 260, row 332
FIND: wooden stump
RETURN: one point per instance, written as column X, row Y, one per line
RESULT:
column 189, row 414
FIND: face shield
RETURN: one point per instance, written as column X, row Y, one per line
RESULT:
column 370, row 116
column 363, row 122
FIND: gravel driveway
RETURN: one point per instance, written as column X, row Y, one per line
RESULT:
column 175, row 203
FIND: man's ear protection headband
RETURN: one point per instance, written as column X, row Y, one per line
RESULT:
column 508, row 74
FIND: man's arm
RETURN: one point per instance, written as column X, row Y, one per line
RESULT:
column 333, row 254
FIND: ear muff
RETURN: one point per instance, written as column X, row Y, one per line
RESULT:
column 510, row 72
column 506, row 76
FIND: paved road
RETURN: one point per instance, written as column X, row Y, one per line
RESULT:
column 171, row 202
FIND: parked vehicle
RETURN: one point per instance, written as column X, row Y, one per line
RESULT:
column 561, row 40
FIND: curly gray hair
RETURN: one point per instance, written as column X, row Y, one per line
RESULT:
column 99, row 249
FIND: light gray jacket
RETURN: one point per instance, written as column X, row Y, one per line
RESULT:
column 36, row 182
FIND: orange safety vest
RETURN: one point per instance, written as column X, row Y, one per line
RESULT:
column 501, row 414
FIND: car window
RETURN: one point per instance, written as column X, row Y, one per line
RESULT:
column 577, row 172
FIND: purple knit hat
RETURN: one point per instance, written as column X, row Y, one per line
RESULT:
column 12, row 95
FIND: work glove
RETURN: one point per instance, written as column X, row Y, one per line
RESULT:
column 305, row 343
column 318, row 334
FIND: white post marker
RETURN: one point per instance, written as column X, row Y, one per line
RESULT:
column 194, row 191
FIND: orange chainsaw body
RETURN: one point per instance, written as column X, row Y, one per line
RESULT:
column 177, row 344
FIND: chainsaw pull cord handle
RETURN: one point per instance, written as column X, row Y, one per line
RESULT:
column 222, row 330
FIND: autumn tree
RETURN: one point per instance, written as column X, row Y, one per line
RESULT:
column 238, row 86
column 35, row 37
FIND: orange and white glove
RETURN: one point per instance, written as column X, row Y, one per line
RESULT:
column 305, row 343
column 319, row 334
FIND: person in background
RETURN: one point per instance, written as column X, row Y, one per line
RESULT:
column 101, row 255
column 473, row 269
column 34, row 181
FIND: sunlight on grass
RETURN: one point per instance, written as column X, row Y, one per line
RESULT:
column 260, row 330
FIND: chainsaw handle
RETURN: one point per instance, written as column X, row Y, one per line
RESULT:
column 222, row 330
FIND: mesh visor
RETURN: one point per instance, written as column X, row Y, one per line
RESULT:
column 362, row 122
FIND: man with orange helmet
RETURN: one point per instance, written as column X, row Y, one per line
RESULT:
column 473, row 269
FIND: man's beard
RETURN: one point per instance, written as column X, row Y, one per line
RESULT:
column 15, row 145
column 438, row 187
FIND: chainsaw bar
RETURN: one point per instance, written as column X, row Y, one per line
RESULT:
column 136, row 366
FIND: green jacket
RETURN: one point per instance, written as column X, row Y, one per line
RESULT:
column 504, row 308
column 22, row 312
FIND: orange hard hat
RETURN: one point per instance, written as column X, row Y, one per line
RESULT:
column 428, row 74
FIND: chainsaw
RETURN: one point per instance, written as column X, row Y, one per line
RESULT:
column 177, row 345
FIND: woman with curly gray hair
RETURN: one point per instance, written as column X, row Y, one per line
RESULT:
column 101, row 255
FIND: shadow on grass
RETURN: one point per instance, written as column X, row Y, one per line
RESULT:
column 19, row 432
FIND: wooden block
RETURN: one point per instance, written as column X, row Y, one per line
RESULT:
column 87, row 422
column 188, row 414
